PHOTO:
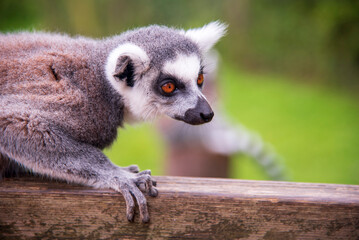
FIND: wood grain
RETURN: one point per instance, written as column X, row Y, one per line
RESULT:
column 186, row 208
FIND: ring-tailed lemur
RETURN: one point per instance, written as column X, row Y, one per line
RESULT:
column 62, row 99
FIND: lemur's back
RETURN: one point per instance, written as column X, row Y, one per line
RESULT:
column 36, row 55
column 54, row 76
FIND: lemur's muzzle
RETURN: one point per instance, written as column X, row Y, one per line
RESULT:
column 201, row 113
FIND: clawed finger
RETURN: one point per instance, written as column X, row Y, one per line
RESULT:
column 130, row 204
column 145, row 184
column 153, row 192
column 132, row 168
column 142, row 204
column 142, row 186
column 145, row 172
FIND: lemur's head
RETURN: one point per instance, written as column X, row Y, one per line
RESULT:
column 160, row 70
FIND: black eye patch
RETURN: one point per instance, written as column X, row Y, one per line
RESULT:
column 164, row 79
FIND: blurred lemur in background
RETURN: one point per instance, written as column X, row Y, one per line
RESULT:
column 210, row 149
column 62, row 100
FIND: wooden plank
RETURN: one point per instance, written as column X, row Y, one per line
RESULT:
column 186, row 208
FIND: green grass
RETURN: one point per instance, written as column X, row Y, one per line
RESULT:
column 139, row 144
column 314, row 129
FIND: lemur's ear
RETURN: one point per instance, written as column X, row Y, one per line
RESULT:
column 126, row 63
column 208, row 35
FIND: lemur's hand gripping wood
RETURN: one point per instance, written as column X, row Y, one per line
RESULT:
column 130, row 186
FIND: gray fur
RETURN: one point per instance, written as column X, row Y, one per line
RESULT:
column 58, row 108
column 159, row 42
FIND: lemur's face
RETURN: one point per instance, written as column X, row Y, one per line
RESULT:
column 177, row 90
column 164, row 78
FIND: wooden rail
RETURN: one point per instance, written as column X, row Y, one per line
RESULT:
column 185, row 208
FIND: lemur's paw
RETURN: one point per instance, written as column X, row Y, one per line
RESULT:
column 131, row 186
column 146, row 183
column 132, row 168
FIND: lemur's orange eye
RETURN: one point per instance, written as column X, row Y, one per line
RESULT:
column 168, row 87
column 200, row 79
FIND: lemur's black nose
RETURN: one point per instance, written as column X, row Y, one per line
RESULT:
column 207, row 117
column 201, row 113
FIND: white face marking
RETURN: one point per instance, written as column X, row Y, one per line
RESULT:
column 138, row 106
column 184, row 67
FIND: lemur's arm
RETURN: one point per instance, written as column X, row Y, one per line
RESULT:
column 45, row 149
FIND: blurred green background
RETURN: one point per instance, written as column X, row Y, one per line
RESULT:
column 289, row 71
